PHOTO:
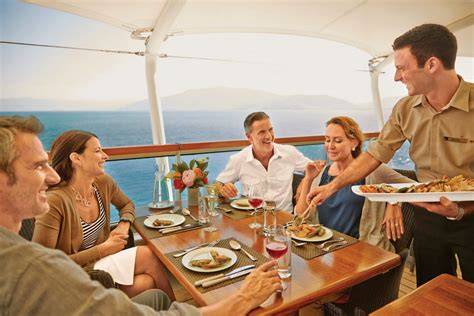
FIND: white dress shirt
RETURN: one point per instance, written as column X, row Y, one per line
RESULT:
column 286, row 159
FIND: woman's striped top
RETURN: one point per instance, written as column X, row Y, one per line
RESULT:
column 92, row 230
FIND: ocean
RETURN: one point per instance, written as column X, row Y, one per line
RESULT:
column 136, row 177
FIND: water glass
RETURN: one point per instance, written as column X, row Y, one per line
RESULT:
column 269, row 216
column 177, row 201
column 203, row 214
column 278, row 246
column 212, row 199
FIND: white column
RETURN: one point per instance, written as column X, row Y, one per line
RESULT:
column 163, row 24
column 376, row 65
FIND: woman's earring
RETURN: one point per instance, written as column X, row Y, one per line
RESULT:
column 353, row 148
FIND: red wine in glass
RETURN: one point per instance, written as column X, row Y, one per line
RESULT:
column 276, row 249
column 255, row 202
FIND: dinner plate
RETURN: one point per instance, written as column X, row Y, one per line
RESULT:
column 413, row 197
column 235, row 205
column 204, row 253
column 176, row 218
column 327, row 235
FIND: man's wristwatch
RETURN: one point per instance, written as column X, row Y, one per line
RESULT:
column 459, row 216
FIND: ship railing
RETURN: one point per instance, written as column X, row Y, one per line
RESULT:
column 166, row 150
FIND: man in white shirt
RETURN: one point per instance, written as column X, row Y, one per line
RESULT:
column 265, row 161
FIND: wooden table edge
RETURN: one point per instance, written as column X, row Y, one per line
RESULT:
column 427, row 286
column 308, row 299
column 195, row 294
column 303, row 301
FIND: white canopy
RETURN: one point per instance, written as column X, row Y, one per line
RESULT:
column 370, row 25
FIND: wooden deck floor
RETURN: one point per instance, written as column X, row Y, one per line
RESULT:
column 408, row 282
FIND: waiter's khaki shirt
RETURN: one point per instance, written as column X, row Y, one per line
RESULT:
column 441, row 143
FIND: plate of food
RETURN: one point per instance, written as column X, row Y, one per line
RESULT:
column 310, row 232
column 164, row 220
column 209, row 259
column 241, row 204
column 459, row 188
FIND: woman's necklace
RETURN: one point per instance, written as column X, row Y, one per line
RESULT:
column 85, row 200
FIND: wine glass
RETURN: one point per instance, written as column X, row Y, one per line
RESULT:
column 256, row 197
column 277, row 246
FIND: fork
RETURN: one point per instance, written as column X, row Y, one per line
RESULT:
column 211, row 244
column 335, row 245
column 336, row 240
column 298, row 244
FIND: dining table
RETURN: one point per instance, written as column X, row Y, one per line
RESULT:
column 310, row 280
column 443, row 295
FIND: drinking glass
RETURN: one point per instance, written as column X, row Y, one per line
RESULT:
column 269, row 216
column 256, row 197
column 278, row 246
column 207, row 207
column 212, row 199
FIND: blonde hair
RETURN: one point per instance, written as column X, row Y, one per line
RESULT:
column 10, row 126
column 352, row 131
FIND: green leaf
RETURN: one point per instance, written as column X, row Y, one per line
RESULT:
column 175, row 166
column 192, row 164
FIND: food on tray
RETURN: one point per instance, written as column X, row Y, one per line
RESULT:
column 458, row 183
column 162, row 222
column 217, row 260
column 242, row 202
column 307, row 231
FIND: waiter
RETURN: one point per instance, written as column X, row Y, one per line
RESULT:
column 437, row 118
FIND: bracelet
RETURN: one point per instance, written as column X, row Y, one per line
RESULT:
column 125, row 219
column 459, row 216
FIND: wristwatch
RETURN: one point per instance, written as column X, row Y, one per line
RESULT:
column 459, row 216
column 126, row 219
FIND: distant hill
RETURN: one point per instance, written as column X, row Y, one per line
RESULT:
column 210, row 99
column 221, row 99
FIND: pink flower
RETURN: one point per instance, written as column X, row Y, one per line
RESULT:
column 188, row 178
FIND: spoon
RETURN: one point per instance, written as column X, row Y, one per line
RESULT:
column 236, row 246
column 185, row 211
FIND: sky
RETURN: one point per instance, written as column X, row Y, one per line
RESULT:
column 280, row 64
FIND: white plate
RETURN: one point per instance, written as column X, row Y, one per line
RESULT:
column 327, row 235
column 414, row 197
column 204, row 253
column 239, row 207
column 176, row 218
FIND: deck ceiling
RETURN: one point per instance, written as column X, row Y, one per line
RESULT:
column 370, row 25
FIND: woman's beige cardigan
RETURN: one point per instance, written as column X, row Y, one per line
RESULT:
column 60, row 227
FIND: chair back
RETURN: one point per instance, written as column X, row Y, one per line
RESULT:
column 297, row 177
column 27, row 228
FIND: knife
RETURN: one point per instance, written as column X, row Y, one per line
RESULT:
column 225, row 278
column 200, row 282
column 180, row 228
column 185, row 251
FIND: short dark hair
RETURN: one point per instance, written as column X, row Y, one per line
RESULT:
column 253, row 117
column 73, row 141
column 428, row 40
column 10, row 126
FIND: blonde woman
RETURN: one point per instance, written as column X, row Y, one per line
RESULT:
column 345, row 211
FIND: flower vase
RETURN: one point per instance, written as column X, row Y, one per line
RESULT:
column 193, row 196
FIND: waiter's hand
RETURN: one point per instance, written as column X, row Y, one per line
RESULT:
column 445, row 207
column 319, row 194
